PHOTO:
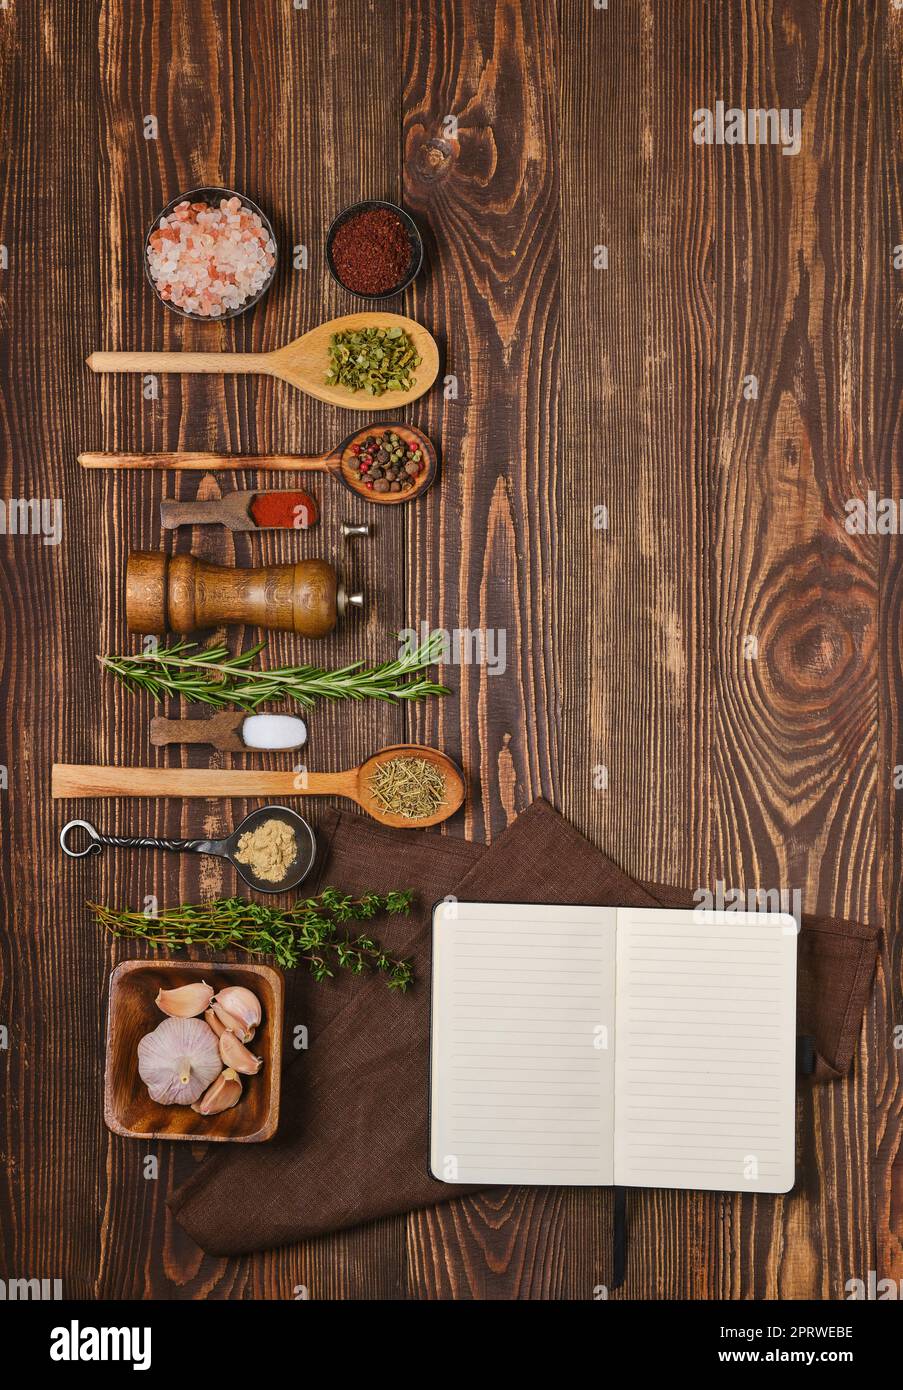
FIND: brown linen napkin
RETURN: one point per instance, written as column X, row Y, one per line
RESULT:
column 352, row 1143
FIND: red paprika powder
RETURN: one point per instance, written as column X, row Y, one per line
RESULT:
column 371, row 252
column 296, row 509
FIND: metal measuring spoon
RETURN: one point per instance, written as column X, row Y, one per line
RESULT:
column 225, row 849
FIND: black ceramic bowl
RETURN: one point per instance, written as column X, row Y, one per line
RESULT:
column 213, row 196
column 414, row 242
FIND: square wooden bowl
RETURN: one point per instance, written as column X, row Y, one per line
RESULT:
column 129, row 1110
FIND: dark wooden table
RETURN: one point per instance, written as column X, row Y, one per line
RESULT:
column 524, row 135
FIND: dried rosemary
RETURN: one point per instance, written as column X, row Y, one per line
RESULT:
column 408, row 787
column 307, row 933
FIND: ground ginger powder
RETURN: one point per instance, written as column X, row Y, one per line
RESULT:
column 268, row 851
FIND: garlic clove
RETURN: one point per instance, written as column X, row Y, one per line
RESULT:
column 237, row 1056
column 231, row 1024
column 238, row 1010
column 221, row 1095
column 187, row 1001
column 211, row 1019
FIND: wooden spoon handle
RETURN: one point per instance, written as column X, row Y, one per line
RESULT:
column 178, row 362
column 293, row 463
column 212, row 731
column 207, row 512
column 72, row 779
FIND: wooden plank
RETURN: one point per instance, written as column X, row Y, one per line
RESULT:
column 51, row 972
column 726, row 524
column 246, row 97
column 794, row 790
column 481, row 174
column 885, row 473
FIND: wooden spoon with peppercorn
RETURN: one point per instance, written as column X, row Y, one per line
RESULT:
column 304, row 363
column 365, row 463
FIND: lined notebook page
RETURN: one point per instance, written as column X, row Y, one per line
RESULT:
column 521, row 1089
column 705, row 1050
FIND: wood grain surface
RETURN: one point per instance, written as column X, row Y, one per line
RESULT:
column 702, row 666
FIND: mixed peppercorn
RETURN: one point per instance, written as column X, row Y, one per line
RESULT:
column 387, row 463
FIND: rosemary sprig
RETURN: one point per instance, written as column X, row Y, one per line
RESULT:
column 210, row 676
column 308, row 932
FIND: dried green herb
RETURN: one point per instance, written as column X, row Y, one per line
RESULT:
column 310, row 932
column 373, row 360
column 211, row 676
column 408, row 787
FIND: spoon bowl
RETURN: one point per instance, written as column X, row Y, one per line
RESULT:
column 304, row 362
column 454, row 785
column 305, row 853
column 411, row 435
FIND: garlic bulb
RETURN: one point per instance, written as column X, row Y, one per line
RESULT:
column 178, row 1060
column 186, row 1001
column 238, row 1010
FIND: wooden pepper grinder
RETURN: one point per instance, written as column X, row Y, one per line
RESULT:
column 179, row 593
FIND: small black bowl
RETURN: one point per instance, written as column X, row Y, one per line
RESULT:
column 212, row 196
column 414, row 241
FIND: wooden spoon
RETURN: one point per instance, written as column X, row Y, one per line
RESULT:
column 302, row 363
column 336, row 462
column 222, row 730
column 233, row 511
column 84, row 780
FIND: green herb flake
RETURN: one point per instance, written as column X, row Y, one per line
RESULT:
column 373, row 360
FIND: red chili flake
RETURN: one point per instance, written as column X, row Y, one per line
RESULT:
column 296, row 509
column 371, row 251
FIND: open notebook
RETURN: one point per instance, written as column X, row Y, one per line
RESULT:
column 638, row 1047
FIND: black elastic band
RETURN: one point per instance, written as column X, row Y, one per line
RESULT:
column 619, row 1239
column 805, row 1054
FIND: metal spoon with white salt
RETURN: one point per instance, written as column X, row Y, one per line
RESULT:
column 234, row 733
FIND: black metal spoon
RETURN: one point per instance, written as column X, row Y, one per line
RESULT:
column 297, row 871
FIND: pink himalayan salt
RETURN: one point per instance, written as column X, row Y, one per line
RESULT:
column 208, row 260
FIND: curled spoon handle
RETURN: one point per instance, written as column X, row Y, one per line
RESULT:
column 97, row 841
column 151, row 842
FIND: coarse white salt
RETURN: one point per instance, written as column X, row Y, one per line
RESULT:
column 273, row 731
column 207, row 260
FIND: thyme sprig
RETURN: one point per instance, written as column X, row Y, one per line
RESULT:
column 309, row 932
column 210, row 676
